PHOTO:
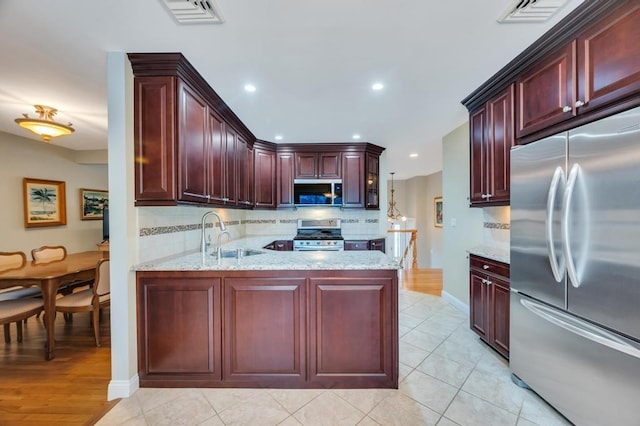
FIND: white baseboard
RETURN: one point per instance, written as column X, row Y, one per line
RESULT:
column 123, row 388
column 459, row 305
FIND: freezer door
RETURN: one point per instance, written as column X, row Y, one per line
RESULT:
column 538, row 181
column 587, row 373
column 602, row 225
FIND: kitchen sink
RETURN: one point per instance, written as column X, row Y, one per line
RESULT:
column 238, row 253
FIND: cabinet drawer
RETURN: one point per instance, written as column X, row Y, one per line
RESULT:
column 356, row 245
column 489, row 266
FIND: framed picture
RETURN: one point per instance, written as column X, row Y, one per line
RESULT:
column 92, row 203
column 437, row 212
column 44, row 203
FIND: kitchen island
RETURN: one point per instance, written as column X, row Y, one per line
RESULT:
column 274, row 319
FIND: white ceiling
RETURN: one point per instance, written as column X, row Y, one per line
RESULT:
column 313, row 63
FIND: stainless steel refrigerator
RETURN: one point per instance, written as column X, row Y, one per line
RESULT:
column 575, row 270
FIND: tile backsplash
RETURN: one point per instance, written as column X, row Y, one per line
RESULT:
column 165, row 231
column 497, row 224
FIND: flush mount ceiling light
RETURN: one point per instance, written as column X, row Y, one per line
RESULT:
column 377, row 86
column 356, row 136
column 44, row 125
column 278, row 137
column 249, row 88
column 413, row 155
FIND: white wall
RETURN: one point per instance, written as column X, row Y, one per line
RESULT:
column 21, row 157
column 463, row 226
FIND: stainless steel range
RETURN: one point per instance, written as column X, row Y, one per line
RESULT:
column 319, row 234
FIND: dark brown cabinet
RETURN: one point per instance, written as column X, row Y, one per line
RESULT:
column 284, row 179
column 489, row 302
column 356, row 245
column 301, row 329
column 318, row 165
column 353, row 175
column 600, row 66
column 265, row 330
column 378, row 244
column 192, row 347
column 491, row 134
column 372, row 181
column 280, row 245
column 264, row 178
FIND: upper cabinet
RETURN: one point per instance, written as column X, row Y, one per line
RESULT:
column 191, row 148
column 598, row 67
column 491, row 131
column 318, row 165
column 585, row 68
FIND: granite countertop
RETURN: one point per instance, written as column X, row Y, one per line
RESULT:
column 272, row 260
column 490, row 252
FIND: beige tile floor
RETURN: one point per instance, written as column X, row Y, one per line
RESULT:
column 447, row 377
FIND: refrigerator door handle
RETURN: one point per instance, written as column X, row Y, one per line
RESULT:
column 581, row 328
column 556, row 268
column 566, row 216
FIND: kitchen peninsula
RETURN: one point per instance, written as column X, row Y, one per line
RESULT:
column 271, row 319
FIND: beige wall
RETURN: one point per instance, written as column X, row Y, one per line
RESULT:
column 414, row 198
column 463, row 226
column 21, row 157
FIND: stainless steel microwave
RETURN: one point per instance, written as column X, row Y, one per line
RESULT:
column 317, row 192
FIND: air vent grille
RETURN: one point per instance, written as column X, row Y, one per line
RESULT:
column 530, row 10
column 195, row 11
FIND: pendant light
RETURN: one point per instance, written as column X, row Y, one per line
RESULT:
column 44, row 125
column 392, row 212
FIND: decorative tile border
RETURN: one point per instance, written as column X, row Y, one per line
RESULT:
column 372, row 221
column 258, row 221
column 160, row 230
column 493, row 225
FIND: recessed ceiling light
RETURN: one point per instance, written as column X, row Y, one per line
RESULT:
column 356, row 136
column 413, row 155
column 278, row 137
column 249, row 88
column 377, row 86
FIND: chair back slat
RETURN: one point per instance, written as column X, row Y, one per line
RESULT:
column 48, row 253
column 12, row 260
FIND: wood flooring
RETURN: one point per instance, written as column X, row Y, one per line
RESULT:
column 71, row 389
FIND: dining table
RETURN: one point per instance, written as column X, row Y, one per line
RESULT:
column 49, row 276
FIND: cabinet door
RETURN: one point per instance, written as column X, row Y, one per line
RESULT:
column 500, row 140
column 244, row 172
column 155, row 139
column 609, row 58
column 230, row 195
column 480, row 303
column 179, row 328
column 345, row 339
column 265, row 179
column 265, row 329
column 193, row 141
column 285, row 179
column 372, row 182
column 478, row 156
column 283, row 245
column 356, row 245
column 500, row 315
column 306, row 165
column 329, row 165
column 353, row 180
column 216, row 158
column 546, row 92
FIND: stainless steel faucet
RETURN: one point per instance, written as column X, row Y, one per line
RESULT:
column 223, row 230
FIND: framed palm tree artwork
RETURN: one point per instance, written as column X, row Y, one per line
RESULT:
column 44, row 203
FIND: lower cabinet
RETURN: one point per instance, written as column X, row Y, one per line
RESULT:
column 286, row 329
column 280, row 245
column 489, row 302
column 377, row 244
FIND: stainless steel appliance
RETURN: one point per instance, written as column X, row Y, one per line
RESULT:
column 319, row 234
column 575, row 270
column 317, row 192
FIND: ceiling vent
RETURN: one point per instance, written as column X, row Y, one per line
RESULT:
column 195, row 11
column 530, row 10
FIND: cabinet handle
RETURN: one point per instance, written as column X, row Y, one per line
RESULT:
column 567, row 108
column 485, row 267
column 579, row 104
column 483, row 196
column 486, row 282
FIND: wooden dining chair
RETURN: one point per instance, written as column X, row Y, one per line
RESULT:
column 91, row 299
column 46, row 254
column 16, row 311
column 8, row 261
